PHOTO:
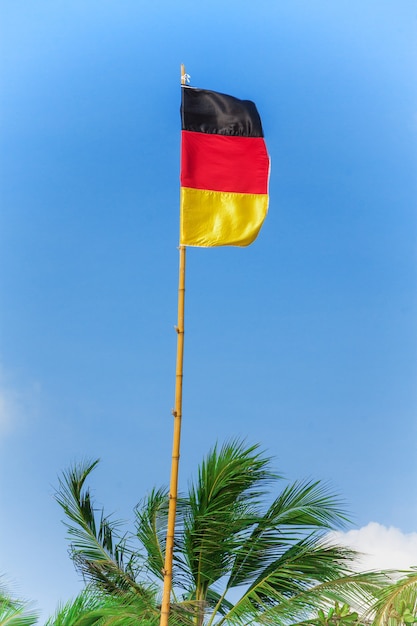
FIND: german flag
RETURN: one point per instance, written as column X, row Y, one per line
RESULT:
column 224, row 170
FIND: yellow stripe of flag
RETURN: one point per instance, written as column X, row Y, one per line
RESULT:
column 219, row 218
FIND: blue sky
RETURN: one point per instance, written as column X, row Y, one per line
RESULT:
column 305, row 341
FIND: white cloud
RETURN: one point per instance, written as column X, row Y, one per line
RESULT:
column 380, row 547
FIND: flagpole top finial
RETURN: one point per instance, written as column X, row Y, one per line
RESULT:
column 185, row 78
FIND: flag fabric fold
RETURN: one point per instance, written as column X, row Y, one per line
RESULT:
column 224, row 170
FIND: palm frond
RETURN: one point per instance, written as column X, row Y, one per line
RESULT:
column 92, row 608
column 357, row 590
column 397, row 602
column 307, row 575
column 15, row 613
column 299, row 509
column 151, row 524
column 307, row 504
column 97, row 549
column 222, row 505
column 72, row 611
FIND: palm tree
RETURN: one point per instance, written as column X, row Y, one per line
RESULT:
column 236, row 561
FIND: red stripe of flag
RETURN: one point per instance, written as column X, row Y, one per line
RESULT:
column 224, row 163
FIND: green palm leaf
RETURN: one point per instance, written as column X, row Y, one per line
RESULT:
column 15, row 616
column 151, row 524
column 397, row 603
column 73, row 611
column 300, row 508
column 98, row 551
column 14, row 613
column 92, row 608
column 221, row 509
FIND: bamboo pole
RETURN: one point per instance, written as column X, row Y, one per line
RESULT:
column 177, row 413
